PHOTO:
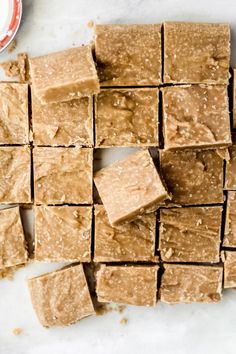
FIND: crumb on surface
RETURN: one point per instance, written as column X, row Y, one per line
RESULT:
column 12, row 46
column 90, row 24
column 123, row 321
column 17, row 331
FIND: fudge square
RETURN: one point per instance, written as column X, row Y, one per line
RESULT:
column 15, row 174
column 63, row 233
column 14, row 127
column 191, row 283
column 12, row 241
column 130, row 187
column 190, row 234
column 62, row 175
column 133, row 285
column 230, row 221
column 229, row 269
column 230, row 173
column 193, row 177
column 63, row 123
column 196, row 116
column 65, row 75
column 62, row 297
column 126, row 117
column 134, row 241
column 128, row 55
column 196, row 53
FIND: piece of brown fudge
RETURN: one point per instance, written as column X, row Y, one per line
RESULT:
column 63, row 233
column 130, row 187
column 15, row 172
column 128, row 55
column 65, row 75
column 191, row 283
column 64, row 123
column 193, row 177
column 12, row 241
column 134, row 285
column 190, row 234
column 63, row 175
column 14, row 120
column 126, row 117
column 62, row 297
column 196, row 116
column 234, row 98
column 230, row 222
column 196, row 53
column 230, row 172
column 134, row 241
column 229, row 269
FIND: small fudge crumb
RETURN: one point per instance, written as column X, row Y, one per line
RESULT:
column 12, row 46
column 17, row 331
column 90, row 24
column 123, row 321
column 18, row 68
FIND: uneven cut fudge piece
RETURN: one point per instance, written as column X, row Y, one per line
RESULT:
column 130, row 187
column 229, row 269
column 134, row 285
column 17, row 68
column 126, row 117
column 128, row 55
column 12, row 240
column 230, row 222
column 15, row 166
column 191, row 283
column 134, row 241
column 193, row 177
column 230, row 173
column 14, row 121
column 64, row 123
column 63, row 233
column 190, row 234
column 62, row 175
column 196, row 116
column 61, row 298
column 64, row 75
column 196, row 52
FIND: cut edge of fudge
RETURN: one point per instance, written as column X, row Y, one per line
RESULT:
column 229, row 259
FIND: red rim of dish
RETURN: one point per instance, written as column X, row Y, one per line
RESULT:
column 14, row 24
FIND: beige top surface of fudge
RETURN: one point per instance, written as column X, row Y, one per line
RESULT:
column 126, row 117
column 63, row 123
column 61, row 298
column 63, row 233
column 14, row 120
column 12, row 241
column 63, row 175
column 65, row 75
column 196, row 53
column 193, row 177
column 196, row 116
column 134, row 285
column 130, row 187
column 190, row 234
column 134, row 241
column 128, row 55
column 229, row 269
column 15, row 175
column 230, row 173
column 230, row 222
column 191, row 283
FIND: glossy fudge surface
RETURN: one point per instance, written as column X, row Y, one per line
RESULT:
column 193, row 177
column 196, row 116
column 190, row 234
column 65, row 75
column 196, row 53
column 126, row 117
column 133, row 241
column 128, row 55
column 130, row 187
column 191, row 283
column 134, row 285
column 63, row 233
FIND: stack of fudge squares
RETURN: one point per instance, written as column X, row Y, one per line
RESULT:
column 165, row 226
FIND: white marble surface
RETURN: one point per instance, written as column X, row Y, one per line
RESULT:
column 50, row 25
